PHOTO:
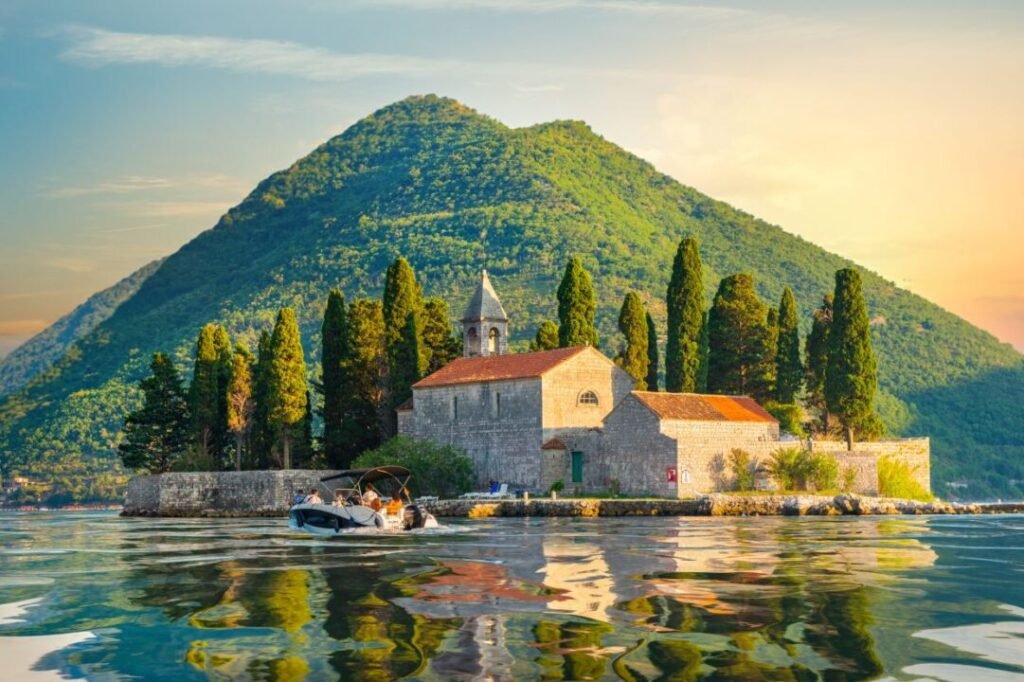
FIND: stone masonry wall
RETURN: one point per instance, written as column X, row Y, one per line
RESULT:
column 864, row 457
column 587, row 371
column 634, row 453
column 704, row 447
column 227, row 493
column 498, row 424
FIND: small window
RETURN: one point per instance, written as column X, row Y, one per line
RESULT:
column 455, row 408
column 588, row 398
column 497, row 406
column 492, row 341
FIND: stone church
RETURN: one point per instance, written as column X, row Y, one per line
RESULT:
column 572, row 415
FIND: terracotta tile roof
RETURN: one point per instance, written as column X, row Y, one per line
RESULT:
column 554, row 444
column 498, row 367
column 405, row 407
column 699, row 407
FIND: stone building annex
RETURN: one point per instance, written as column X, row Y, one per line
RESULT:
column 572, row 415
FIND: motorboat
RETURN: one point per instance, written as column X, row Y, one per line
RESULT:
column 362, row 502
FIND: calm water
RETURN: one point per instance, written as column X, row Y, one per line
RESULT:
column 95, row 596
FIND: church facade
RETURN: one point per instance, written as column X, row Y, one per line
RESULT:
column 572, row 415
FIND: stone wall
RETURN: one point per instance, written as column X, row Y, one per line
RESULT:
column 864, row 457
column 703, row 449
column 633, row 453
column 590, row 370
column 227, row 493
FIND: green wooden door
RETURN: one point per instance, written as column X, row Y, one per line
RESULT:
column 577, row 466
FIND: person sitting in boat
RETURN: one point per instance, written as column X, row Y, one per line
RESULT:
column 339, row 498
column 313, row 497
column 371, row 498
column 394, row 506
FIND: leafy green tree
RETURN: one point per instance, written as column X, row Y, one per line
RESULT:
column 546, row 337
column 441, row 344
column 222, row 344
column 851, row 376
column 366, row 373
column 685, row 300
column 816, row 351
column 334, row 339
column 264, row 434
column 739, row 361
column 652, row 354
column 788, row 366
column 442, row 470
column 205, row 393
column 288, row 395
column 402, row 297
column 241, row 403
column 577, row 306
column 156, row 434
column 633, row 325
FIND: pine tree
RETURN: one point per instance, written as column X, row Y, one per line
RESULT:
column 157, row 434
column 788, row 367
column 287, row 399
column 738, row 337
column 366, row 370
column 816, row 351
column 442, row 346
column 577, row 306
column 652, row 354
column 546, row 337
column 240, row 400
column 851, row 375
column 205, row 399
column 334, row 335
column 633, row 325
column 264, row 437
column 685, row 301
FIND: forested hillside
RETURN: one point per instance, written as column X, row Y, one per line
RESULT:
column 453, row 191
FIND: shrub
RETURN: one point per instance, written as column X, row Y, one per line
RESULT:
column 822, row 470
column 795, row 469
column 849, row 479
column 556, row 487
column 790, row 417
column 442, row 470
column 896, row 479
column 742, row 468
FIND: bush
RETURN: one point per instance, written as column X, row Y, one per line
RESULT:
column 790, row 417
column 556, row 487
column 795, row 469
column 849, row 480
column 822, row 471
column 742, row 468
column 442, row 470
column 896, row 479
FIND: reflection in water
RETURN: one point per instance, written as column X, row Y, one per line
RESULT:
column 552, row 599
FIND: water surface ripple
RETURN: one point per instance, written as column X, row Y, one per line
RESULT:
column 95, row 596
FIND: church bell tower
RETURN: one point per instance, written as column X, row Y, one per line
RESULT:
column 484, row 324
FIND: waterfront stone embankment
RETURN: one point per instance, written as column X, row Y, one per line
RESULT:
column 270, row 493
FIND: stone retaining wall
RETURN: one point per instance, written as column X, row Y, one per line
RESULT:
column 863, row 458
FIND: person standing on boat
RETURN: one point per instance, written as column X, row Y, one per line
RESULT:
column 313, row 497
column 394, row 507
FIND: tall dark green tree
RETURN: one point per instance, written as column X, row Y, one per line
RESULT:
column 772, row 353
column 264, row 438
column 577, row 305
column 406, row 367
column 366, row 372
column 704, row 353
column 816, row 351
column 739, row 360
column 685, row 301
column 288, row 392
column 205, row 394
column 402, row 297
column 789, row 371
column 652, row 354
column 546, row 337
column 240, row 400
column 633, row 325
column 334, row 335
column 222, row 442
column 851, row 376
column 442, row 346
column 403, row 301
column 157, row 434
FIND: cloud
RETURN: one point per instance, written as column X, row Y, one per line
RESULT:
column 540, row 89
column 21, row 327
column 71, row 264
column 547, row 6
column 140, row 183
column 169, row 209
column 99, row 47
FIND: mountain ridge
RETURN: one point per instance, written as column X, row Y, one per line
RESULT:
column 455, row 191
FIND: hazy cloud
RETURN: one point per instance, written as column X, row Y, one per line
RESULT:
column 71, row 264
column 546, row 6
column 21, row 327
column 141, row 183
column 169, row 209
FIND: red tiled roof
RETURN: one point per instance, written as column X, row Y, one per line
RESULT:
column 405, row 407
column 554, row 444
column 498, row 367
column 698, row 407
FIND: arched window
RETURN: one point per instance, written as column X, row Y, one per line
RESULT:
column 588, row 398
column 492, row 340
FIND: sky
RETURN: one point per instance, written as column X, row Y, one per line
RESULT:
column 888, row 132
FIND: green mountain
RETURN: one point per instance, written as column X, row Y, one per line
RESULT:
column 37, row 354
column 454, row 191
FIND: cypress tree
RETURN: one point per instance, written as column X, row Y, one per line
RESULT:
column 365, row 369
column 442, row 346
column 264, row 440
column 816, row 351
column 402, row 296
column 403, row 300
column 240, row 399
column 788, row 367
column 406, row 368
column 739, row 340
column 157, row 433
column 633, row 325
column 546, row 337
column 652, row 354
column 334, row 348
column 851, row 375
column 685, row 301
column 287, row 399
column 703, row 352
column 222, row 344
column 204, row 392
column 577, row 306
column 772, row 351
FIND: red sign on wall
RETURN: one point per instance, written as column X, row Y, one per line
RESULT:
column 670, row 474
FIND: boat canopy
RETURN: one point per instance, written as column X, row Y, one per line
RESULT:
column 370, row 475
